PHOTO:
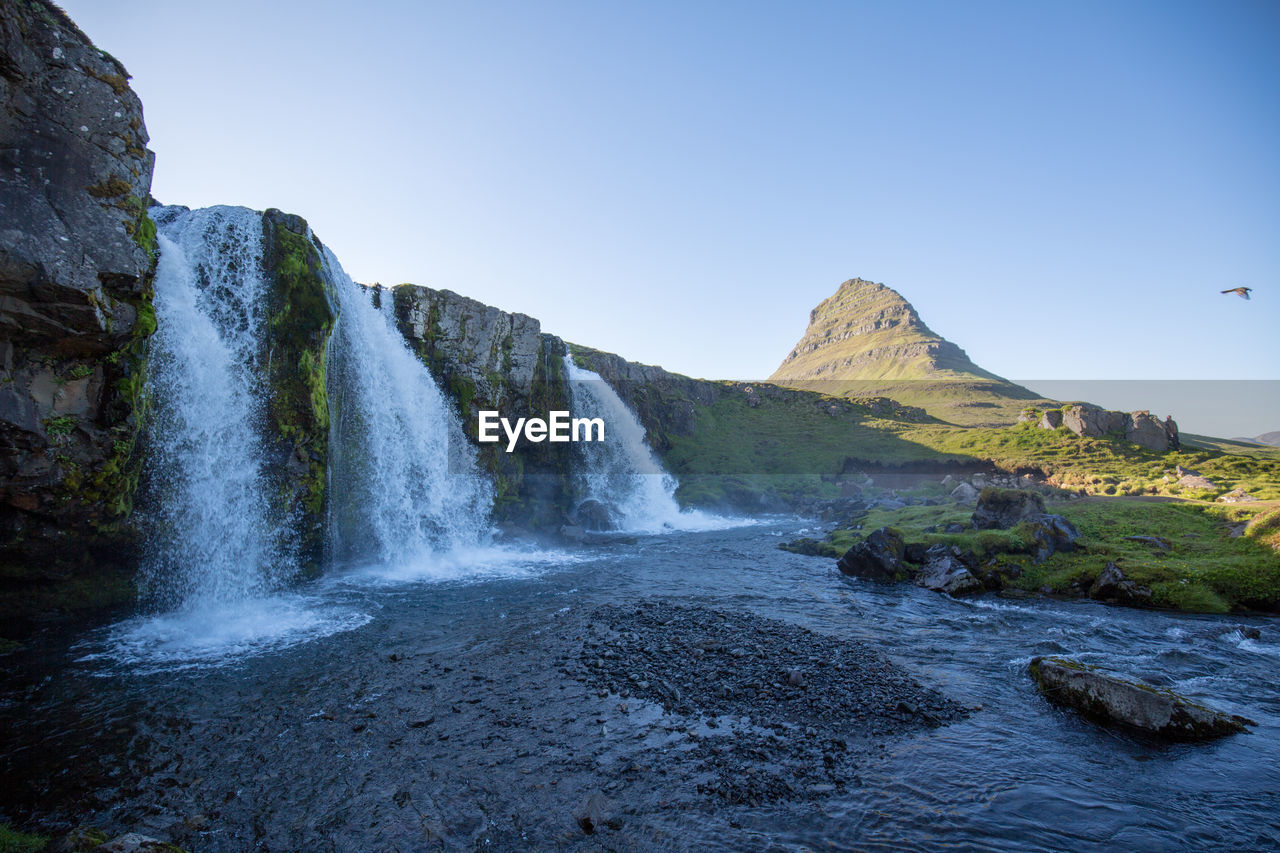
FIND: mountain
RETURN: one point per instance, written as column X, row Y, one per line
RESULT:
column 867, row 340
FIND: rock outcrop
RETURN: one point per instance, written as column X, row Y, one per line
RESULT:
column 1001, row 509
column 76, row 261
column 1113, row 586
column 300, row 318
column 877, row 558
column 1141, row 427
column 944, row 571
column 1111, row 699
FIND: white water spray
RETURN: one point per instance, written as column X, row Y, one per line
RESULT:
column 213, row 538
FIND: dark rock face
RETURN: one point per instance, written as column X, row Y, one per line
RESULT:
column 1000, row 509
column 877, row 558
column 488, row 359
column 1111, row 699
column 76, row 260
column 1113, row 586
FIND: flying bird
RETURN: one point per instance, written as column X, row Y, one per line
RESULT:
column 1242, row 292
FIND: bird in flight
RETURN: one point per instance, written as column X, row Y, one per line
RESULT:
column 1242, row 292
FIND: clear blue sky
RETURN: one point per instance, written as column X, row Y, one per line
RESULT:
column 1062, row 188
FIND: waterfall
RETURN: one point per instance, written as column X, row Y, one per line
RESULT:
column 405, row 482
column 212, row 535
column 622, row 472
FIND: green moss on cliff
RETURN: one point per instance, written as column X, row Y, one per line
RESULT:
column 300, row 319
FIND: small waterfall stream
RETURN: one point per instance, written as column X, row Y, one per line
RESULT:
column 213, row 536
column 404, row 480
column 622, row 472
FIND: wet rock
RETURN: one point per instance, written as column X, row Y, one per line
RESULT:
column 593, row 515
column 878, row 557
column 134, row 842
column 1112, row 699
column 944, row 572
column 1113, row 586
column 595, row 813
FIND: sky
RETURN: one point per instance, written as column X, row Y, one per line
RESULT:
column 1061, row 188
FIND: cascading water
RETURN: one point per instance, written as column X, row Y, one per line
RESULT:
column 622, row 472
column 212, row 537
column 218, row 548
column 405, row 483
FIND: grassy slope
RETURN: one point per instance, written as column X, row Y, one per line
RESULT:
column 1205, row 569
column 796, row 444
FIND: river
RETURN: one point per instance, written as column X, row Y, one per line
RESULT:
column 445, row 706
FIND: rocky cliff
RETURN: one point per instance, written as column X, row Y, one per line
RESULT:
column 866, row 340
column 76, row 260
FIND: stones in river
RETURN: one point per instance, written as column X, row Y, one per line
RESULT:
column 1112, row 699
column 1112, row 585
column 878, row 557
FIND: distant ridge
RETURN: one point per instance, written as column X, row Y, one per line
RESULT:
column 866, row 339
column 1271, row 438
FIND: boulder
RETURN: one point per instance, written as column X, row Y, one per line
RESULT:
column 964, row 494
column 593, row 515
column 1184, row 472
column 1029, row 416
column 1051, row 419
column 954, row 527
column 1051, row 534
column 1000, row 509
column 1236, row 496
column 877, row 558
column 1113, row 586
column 1145, row 430
column 1092, row 421
column 1112, row 699
column 944, row 572
column 1191, row 481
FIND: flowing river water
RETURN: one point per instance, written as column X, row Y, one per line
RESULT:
column 427, row 713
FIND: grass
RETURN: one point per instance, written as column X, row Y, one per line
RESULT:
column 12, row 841
column 1099, row 466
column 1205, row 569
